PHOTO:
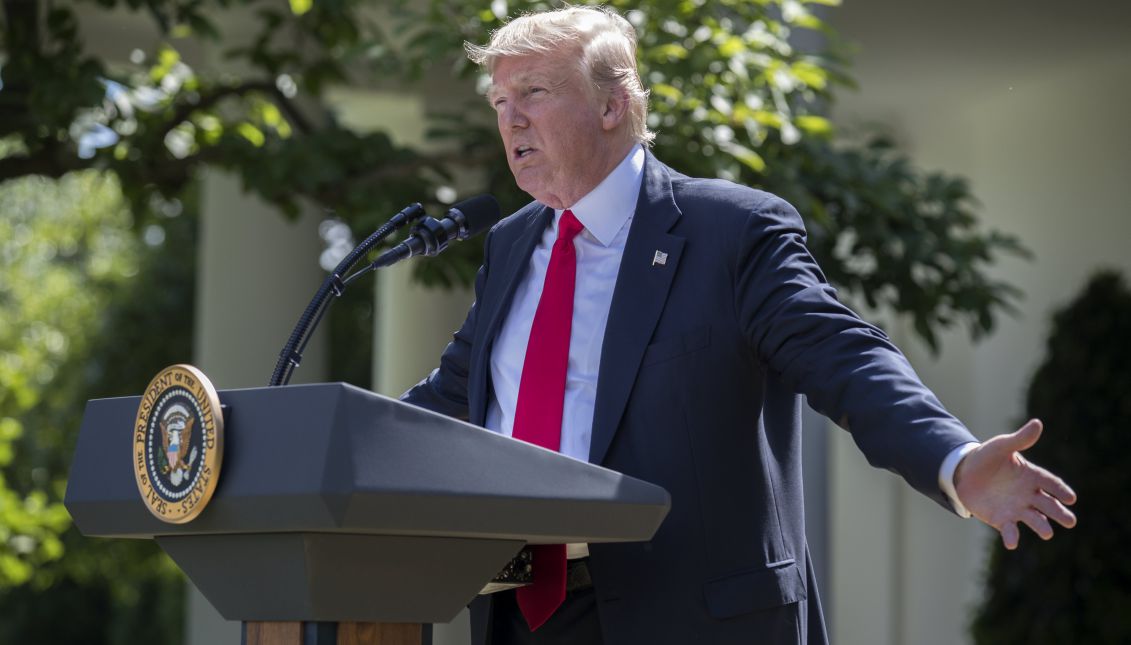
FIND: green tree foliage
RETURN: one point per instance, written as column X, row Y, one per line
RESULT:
column 57, row 264
column 734, row 96
column 901, row 239
column 87, row 309
column 1076, row 588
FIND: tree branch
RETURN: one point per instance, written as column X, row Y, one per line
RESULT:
column 292, row 111
column 184, row 110
column 22, row 20
column 47, row 162
column 21, row 39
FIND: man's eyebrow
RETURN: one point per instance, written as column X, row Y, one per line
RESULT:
column 537, row 77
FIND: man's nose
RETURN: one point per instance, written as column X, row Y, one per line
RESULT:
column 513, row 117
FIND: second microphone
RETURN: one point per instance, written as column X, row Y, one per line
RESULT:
column 430, row 236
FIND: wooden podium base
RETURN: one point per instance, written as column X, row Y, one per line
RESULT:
column 272, row 633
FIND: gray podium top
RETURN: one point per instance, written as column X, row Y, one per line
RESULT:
column 335, row 458
column 343, row 478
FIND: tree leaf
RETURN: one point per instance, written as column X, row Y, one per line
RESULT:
column 300, row 7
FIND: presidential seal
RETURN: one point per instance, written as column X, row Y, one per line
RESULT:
column 178, row 443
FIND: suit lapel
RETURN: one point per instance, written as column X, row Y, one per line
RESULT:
column 496, row 300
column 651, row 257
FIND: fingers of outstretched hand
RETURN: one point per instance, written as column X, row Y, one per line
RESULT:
column 1038, row 523
column 1009, row 535
column 1054, row 510
column 1037, row 517
column 1053, row 485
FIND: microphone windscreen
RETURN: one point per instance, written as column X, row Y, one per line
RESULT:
column 479, row 213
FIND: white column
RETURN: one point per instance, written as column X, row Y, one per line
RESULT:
column 413, row 324
column 256, row 272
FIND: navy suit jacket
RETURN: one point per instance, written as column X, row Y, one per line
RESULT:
column 704, row 360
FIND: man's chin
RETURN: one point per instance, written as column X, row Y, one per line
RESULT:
column 532, row 188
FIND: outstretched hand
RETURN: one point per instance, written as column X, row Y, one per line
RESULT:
column 1001, row 488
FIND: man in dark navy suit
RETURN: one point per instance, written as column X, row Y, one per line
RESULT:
column 665, row 327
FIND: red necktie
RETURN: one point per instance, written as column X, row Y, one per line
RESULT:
column 541, row 397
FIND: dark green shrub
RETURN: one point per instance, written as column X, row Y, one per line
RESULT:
column 1076, row 588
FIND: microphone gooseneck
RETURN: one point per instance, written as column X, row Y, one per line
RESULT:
column 291, row 354
column 429, row 237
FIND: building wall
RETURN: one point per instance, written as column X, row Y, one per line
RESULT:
column 1026, row 101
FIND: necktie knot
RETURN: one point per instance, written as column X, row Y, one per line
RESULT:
column 569, row 226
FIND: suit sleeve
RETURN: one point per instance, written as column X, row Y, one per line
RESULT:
column 445, row 389
column 849, row 369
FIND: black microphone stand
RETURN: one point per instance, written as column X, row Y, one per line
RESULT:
column 291, row 355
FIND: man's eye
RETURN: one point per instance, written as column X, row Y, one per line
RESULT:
column 498, row 104
column 535, row 90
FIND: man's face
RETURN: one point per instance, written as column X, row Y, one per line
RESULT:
column 551, row 123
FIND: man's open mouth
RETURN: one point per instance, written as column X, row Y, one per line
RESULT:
column 522, row 151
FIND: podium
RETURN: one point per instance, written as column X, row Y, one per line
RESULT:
column 340, row 511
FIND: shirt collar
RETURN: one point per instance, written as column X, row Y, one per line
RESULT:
column 607, row 207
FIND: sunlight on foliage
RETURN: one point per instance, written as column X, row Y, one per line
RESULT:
column 299, row 7
column 62, row 245
column 73, row 263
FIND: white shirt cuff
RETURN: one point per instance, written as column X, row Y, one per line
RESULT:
column 577, row 550
column 946, row 476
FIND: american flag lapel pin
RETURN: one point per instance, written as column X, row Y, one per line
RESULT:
column 660, row 258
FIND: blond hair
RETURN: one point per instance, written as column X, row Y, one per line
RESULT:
column 605, row 40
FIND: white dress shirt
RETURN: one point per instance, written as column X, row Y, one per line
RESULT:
column 606, row 213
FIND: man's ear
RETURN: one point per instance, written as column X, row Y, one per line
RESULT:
column 616, row 108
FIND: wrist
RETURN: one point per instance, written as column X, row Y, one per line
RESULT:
column 950, row 474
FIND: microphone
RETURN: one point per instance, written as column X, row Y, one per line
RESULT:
column 291, row 355
column 431, row 236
